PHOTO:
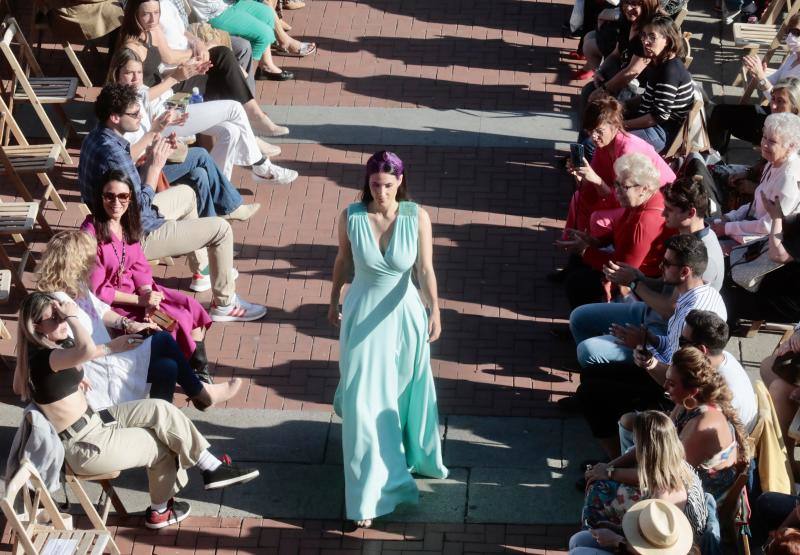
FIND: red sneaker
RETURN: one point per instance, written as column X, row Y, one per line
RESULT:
column 176, row 512
column 576, row 55
column 583, row 75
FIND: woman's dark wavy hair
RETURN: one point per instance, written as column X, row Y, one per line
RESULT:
column 384, row 162
column 131, row 224
column 130, row 30
column 664, row 25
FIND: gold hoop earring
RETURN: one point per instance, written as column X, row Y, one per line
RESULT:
column 690, row 405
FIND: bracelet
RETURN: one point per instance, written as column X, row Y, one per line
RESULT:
column 106, row 349
column 70, row 316
column 652, row 364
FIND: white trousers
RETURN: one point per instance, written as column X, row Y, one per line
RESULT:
column 225, row 120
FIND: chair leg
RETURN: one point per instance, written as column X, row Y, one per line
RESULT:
column 90, row 510
column 111, row 493
column 51, row 193
column 16, row 277
column 76, row 63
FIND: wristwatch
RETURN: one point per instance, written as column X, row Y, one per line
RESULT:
column 610, row 470
column 762, row 84
column 632, row 285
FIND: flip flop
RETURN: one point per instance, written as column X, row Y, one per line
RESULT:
column 306, row 49
column 294, row 5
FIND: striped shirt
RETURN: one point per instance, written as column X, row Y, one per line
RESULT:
column 668, row 94
column 703, row 297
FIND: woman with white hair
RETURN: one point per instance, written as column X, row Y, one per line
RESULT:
column 636, row 238
column 779, row 182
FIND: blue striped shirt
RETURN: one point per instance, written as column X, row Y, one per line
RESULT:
column 703, row 297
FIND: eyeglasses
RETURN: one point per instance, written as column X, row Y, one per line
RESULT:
column 666, row 263
column 619, row 185
column 135, row 115
column 685, row 342
column 54, row 319
column 794, row 32
column 123, row 198
column 649, row 37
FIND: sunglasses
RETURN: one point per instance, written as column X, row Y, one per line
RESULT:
column 666, row 263
column 54, row 319
column 136, row 115
column 123, row 198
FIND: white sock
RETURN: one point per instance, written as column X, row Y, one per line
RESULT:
column 207, row 461
column 159, row 507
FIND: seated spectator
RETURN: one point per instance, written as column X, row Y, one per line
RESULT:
column 653, row 302
column 120, row 369
column 224, row 120
column 746, row 121
column 776, row 523
column 658, row 114
column 637, row 237
column 174, row 23
column 776, row 298
column 608, row 371
column 618, row 44
column 639, row 533
column 785, row 541
column 123, row 278
column 258, row 23
column 778, row 182
column 708, row 426
column 655, row 469
column 603, row 120
column 54, row 347
column 170, row 223
column 781, row 374
column 80, row 21
column 216, row 75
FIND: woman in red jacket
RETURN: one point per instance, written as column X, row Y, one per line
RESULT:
column 636, row 238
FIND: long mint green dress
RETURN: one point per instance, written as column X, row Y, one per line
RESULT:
column 386, row 397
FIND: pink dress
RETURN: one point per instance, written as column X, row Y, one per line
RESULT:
column 106, row 279
column 586, row 199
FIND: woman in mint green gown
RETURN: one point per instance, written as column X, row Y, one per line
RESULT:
column 386, row 397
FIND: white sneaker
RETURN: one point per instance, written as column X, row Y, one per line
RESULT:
column 274, row 174
column 244, row 212
column 238, row 311
column 202, row 282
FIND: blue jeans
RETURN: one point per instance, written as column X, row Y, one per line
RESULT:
column 770, row 510
column 583, row 543
column 656, row 136
column 590, row 324
column 167, row 367
column 216, row 196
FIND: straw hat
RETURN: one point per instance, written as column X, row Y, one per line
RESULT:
column 655, row 527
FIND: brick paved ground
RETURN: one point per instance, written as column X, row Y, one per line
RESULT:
column 495, row 214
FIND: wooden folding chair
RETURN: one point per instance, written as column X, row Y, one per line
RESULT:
column 25, row 159
column 752, row 36
column 38, row 89
column 39, row 530
column 40, row 22
column 682, row 143
column 17, row 218
column 108, row 497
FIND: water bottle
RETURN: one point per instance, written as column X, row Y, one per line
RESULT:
column 196, row 97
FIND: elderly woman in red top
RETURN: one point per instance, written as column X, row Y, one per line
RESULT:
column 637, row 237
column 603, row 120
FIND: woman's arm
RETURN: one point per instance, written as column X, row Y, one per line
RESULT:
column 342, row 267
column 641, row 122
column 83, row 348
column 627, row 74
column 427, row 277
column 777, row 252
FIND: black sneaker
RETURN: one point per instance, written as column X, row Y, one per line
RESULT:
column 227, row 475
column 176, row 512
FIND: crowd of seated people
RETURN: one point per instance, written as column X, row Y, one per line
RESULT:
column 658, row 278
column 102, row 347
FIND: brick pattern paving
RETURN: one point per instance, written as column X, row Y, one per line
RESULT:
column 495, row 213
column 255, row 536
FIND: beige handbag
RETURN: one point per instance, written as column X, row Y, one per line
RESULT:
column 209, row 35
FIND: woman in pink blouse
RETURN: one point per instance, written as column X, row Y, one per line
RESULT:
column 122, row 277
column 603, row 120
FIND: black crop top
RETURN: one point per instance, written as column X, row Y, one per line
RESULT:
column 48, row 386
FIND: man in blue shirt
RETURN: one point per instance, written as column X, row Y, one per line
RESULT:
column 169, row 219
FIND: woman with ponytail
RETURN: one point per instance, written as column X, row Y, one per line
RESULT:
column 709, row 427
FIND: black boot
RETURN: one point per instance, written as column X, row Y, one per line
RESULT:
column 199, row 363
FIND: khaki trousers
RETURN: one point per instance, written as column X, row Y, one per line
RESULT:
column 151, row 433
column 184, row 232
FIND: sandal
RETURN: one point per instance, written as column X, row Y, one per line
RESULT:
column 306, row 49
column 293, row 4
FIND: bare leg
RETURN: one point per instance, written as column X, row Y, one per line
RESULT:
column 213, row 394
column 766, row 370
column 260, row 122
column 267, row 63
column 592, row 52
column 785, row 407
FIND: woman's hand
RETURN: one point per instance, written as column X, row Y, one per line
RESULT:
column 150, row 299
column 577, row 243
column 334, row 315
column 585, row 173
column 189, row 69
column 773, row 207
column 65, row 309
column 754, row 66
column 596, row 472
column 125, row 343
column 434, row 325
column 791, row 345
column 718, row 228
column 138, row 327
column 85, row 385
column 606, row 538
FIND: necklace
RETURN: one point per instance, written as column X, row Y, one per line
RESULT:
column 120, row 259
